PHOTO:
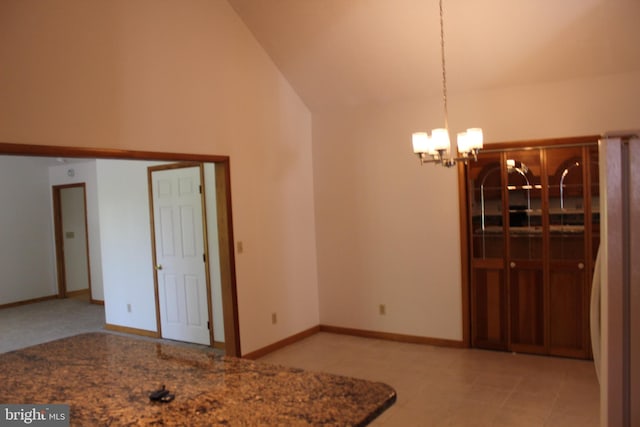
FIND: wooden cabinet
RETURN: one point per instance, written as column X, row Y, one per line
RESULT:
column 526, row 308
column 533, row 235
column 490, row 308
column 568, row 311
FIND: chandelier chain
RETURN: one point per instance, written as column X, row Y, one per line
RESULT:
column 438, row 148
column 444, row 70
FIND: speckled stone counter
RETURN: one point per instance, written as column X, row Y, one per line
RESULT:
column 106, row 379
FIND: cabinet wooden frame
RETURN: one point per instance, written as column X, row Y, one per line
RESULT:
column 470, row 331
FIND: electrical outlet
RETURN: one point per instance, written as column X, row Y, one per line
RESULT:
column 382, row 309
column 128, row 308
column 274, row 318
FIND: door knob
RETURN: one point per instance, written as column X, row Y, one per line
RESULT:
column 580, row 266
column 159, row 267
column 512, row 264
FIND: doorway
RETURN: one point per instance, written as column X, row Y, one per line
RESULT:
column 221, row 166
column 71, row 241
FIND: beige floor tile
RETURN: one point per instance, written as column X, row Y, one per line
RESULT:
column 472, row 414
column 541, row 384
column 584, row 420
column 517, row 417
column 457, row 387
column 507, row 382
column 537, row 403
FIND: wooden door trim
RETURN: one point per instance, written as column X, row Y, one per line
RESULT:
column 104, row 153
column 227, row 259
column 207, row 257
column 465, row 256
column 59, row 244
column 221, row 164
column 59, row 238
column 546, row 249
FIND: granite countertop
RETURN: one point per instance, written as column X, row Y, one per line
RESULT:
column 106, row 379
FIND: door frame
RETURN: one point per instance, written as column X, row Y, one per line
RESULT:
column 205, row 239
column 223, row 206
column 59, row 237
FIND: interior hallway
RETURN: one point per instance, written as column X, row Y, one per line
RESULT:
column 436, row 386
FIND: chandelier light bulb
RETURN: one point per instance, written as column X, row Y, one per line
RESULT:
column 464, row 143
column 420, row 142
column 475, row 138
column 440, row 139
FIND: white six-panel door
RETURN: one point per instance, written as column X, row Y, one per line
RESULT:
column 180, row 264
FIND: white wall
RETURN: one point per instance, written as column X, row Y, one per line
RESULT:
column 125, row 240
column 26, row 231
column 387, row 229
column 84, row 172
column 172, row 76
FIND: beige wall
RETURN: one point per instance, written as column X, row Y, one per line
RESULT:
column 178, row 76
column 387, row 229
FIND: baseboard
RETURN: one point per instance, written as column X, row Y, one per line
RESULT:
column 282, row 343
column 70, row 294
column 413, row 339
column 29, row 301
column 219, row 345
column 133, row 331
column 81, row 292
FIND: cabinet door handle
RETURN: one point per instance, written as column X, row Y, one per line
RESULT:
column 580, row 266
column 512, row 264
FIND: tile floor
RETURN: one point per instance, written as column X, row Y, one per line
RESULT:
column 436, row 386
column 457, row 387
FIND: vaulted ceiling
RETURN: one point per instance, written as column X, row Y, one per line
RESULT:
column 339, row 53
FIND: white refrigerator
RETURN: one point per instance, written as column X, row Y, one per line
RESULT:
column 616, row 293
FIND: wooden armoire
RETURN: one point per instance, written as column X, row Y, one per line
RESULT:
column 532, row 235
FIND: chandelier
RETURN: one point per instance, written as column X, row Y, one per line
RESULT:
column 437, row 147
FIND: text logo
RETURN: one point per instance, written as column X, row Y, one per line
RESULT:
column 34, row 415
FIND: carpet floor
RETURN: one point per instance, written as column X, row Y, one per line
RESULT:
column 44, row 321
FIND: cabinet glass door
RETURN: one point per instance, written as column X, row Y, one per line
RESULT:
column 485, row 181
column 565, row 169
column 566, row 174
column 525, row 243
column 488, row 300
